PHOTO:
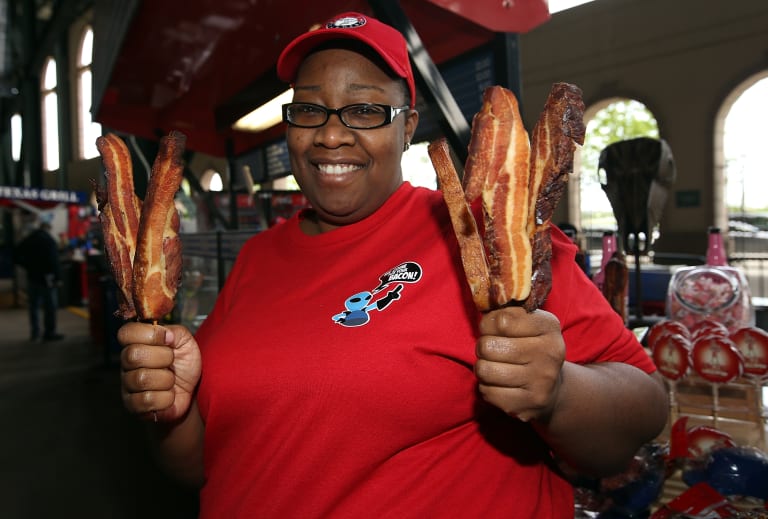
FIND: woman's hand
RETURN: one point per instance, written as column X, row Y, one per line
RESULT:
column 161, row 367
column 593, row 416
column 520, row 356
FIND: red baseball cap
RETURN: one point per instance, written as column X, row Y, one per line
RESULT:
column 382, row 38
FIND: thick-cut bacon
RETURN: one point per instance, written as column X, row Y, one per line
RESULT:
column 520, row 183
column 141, row 240
column 119, row 214
column 464, row 224
column 553, row 141
column 498, row 162
column 157, row 264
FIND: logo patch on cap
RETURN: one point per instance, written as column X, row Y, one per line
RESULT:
column 347, row 22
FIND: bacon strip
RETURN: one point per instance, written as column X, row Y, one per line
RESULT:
column 559, row 129
column 498, row 162
column 142, row 243
column 464, row 224
column 520, row 182
column 157, row 264
column 119, row 214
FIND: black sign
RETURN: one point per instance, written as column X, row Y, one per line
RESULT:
column 51, row 196
column 691, row 198
column 466, row 78
column 278, row 164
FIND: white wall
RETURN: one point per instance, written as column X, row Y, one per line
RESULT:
column 681, row 58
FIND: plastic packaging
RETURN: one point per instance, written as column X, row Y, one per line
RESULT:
column 612, row 278
column 609, row 247
column 616, row 285
column 716, row 255
column 715, row 291
column 733, row 471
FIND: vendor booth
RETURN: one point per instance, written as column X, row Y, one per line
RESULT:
column 173, row 65
column 71, row 218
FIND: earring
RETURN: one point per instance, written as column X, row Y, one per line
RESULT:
column 407, row 145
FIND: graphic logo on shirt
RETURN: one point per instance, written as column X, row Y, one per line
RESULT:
column 358, row 306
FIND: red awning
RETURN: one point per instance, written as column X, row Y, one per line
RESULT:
column 198, row 65
column 499, row 15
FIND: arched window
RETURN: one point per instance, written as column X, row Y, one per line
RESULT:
column 417, row 166
column 16, row 137
column 211, row 180
column 609, row 121
column 87, row 130
column 50, row 116
column 287, row 183
column 740, row 179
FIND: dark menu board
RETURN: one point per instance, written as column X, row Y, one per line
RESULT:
column 253, row 162
column 466, row 77
column 276, row 156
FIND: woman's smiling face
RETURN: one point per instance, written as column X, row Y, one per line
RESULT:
column 347, row 174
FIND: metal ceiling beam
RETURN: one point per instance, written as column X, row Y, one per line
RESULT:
column 507, row 52
column 428, row 78
column 65, row 12
column 5, row 48
column 111, row 21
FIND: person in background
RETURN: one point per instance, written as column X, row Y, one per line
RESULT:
column 582, row 256
column 38, row 254
column 345, row 372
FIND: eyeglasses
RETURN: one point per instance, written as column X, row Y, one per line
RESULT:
column 361, row 116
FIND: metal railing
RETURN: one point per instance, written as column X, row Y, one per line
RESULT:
column 755, row 267
column 749, row 253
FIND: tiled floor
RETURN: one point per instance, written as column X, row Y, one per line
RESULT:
column 67, row 447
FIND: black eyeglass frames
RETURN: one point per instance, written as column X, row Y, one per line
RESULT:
column 359, row 116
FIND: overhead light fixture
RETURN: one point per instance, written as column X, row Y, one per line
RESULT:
column 265, row 116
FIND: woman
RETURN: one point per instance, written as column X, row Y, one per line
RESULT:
column 345, row 372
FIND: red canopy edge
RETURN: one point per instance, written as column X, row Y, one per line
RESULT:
column 191, row 66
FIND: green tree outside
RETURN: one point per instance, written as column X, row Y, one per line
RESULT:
column 621, row 120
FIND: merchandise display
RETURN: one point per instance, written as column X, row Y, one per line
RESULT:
column 609, row 247
column 720, row 478
column 707, row 357
column 612, row 278
column 714, row 291
column 714, row 360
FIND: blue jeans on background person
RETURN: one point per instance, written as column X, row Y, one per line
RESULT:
column 42, row 293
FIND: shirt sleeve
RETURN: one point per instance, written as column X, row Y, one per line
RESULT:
column 592, row 330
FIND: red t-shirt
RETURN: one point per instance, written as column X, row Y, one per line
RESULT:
column 338, row 377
